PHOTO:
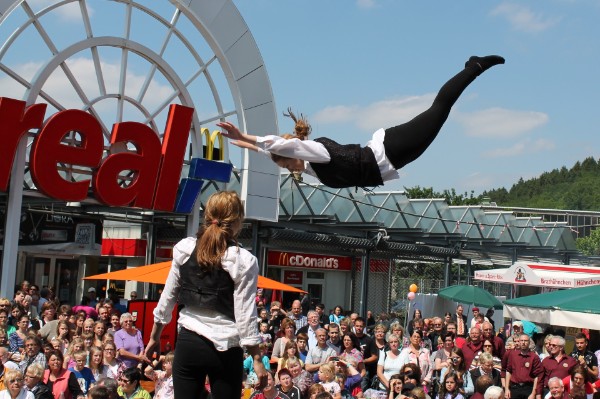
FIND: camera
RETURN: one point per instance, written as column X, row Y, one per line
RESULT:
column 454, row 360
column 335, row 359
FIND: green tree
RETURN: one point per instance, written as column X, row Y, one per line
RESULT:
column 589, row 245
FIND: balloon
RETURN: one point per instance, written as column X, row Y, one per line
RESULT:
column 413, row 288
column 410, row 296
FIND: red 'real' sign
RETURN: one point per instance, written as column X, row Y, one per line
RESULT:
column 157, row 165
column 312, row 261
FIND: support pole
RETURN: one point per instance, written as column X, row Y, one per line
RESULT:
column 364, row 286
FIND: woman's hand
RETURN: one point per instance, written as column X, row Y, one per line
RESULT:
column 261, row 373
column 233, row 133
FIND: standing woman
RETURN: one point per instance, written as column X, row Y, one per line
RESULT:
column 288, row 331
column 418, row 355
column 114, row 366
column 339, row 166
column 379, row 337
column 61, row 381
column 16, row 340
column 351, row 352
column 458, row 367
column 390, row 363
column 216, row 282
column 130, row 345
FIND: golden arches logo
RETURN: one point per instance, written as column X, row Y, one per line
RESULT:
column 210, row 138
column 283, row 258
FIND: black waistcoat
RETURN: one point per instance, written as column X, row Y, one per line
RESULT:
column 208, row 289
column 350, row 166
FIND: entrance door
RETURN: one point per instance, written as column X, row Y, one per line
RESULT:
column 61, row 274
column 315, row 286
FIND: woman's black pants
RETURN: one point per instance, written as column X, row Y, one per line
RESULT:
column 196, row 358
column 406, row 142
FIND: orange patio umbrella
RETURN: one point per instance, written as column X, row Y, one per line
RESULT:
column 157, row 274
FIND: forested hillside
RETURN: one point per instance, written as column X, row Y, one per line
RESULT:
column 577, row 188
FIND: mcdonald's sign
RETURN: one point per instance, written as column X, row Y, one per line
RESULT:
column 209, row 146
column 210, row 167
column 312, row 261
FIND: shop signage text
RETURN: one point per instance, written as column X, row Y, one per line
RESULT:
column 156, row 165
column 277, row 258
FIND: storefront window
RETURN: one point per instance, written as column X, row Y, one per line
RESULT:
column 106, row 265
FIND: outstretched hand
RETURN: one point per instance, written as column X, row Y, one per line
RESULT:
column 231, row 131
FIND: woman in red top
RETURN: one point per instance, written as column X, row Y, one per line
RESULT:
column 60, row 380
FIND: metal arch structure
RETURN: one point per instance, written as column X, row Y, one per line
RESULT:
column 245, row 91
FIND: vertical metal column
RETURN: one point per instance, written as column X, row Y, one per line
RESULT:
column 13, row 222
column 364, row 286
column 150, row 253
column 447, row 272
column 469, row 272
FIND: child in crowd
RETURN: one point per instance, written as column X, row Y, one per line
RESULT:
column 162, row 378
column 265, row 336
column 450, row 388
column 75, row 346
column 301, row 341
column 327, row 378
column 84, row 375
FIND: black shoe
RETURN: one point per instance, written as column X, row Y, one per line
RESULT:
column 484, row 63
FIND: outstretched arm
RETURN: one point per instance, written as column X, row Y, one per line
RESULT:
column 245, row 144
column 306, row 150
column 233, row 133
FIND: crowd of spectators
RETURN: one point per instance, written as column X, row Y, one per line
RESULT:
column 93, row 350
column 50, row 350
column 451, row 356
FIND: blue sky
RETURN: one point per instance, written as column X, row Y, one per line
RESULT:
column 355, row 66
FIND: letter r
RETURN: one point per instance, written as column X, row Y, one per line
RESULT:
column 16, row 121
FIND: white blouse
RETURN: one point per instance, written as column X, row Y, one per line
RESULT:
column 242, row 266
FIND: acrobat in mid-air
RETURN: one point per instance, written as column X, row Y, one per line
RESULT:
column 350, row 165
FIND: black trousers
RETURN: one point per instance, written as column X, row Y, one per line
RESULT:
column 406, row 142
column 195, row 358
column 520, row 392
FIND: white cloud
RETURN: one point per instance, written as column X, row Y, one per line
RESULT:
column 500, row 122
column 366, row 3
column 522, row 18
column 69, row 12
column 477, row 181
column 383, row 114
column 523, row 147
column 59, row 87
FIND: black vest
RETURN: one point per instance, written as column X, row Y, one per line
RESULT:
column 350, row 166
column 207, row 289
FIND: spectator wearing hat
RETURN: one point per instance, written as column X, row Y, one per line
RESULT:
column 513, row 340
column 92, row 295
column 475, row 321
